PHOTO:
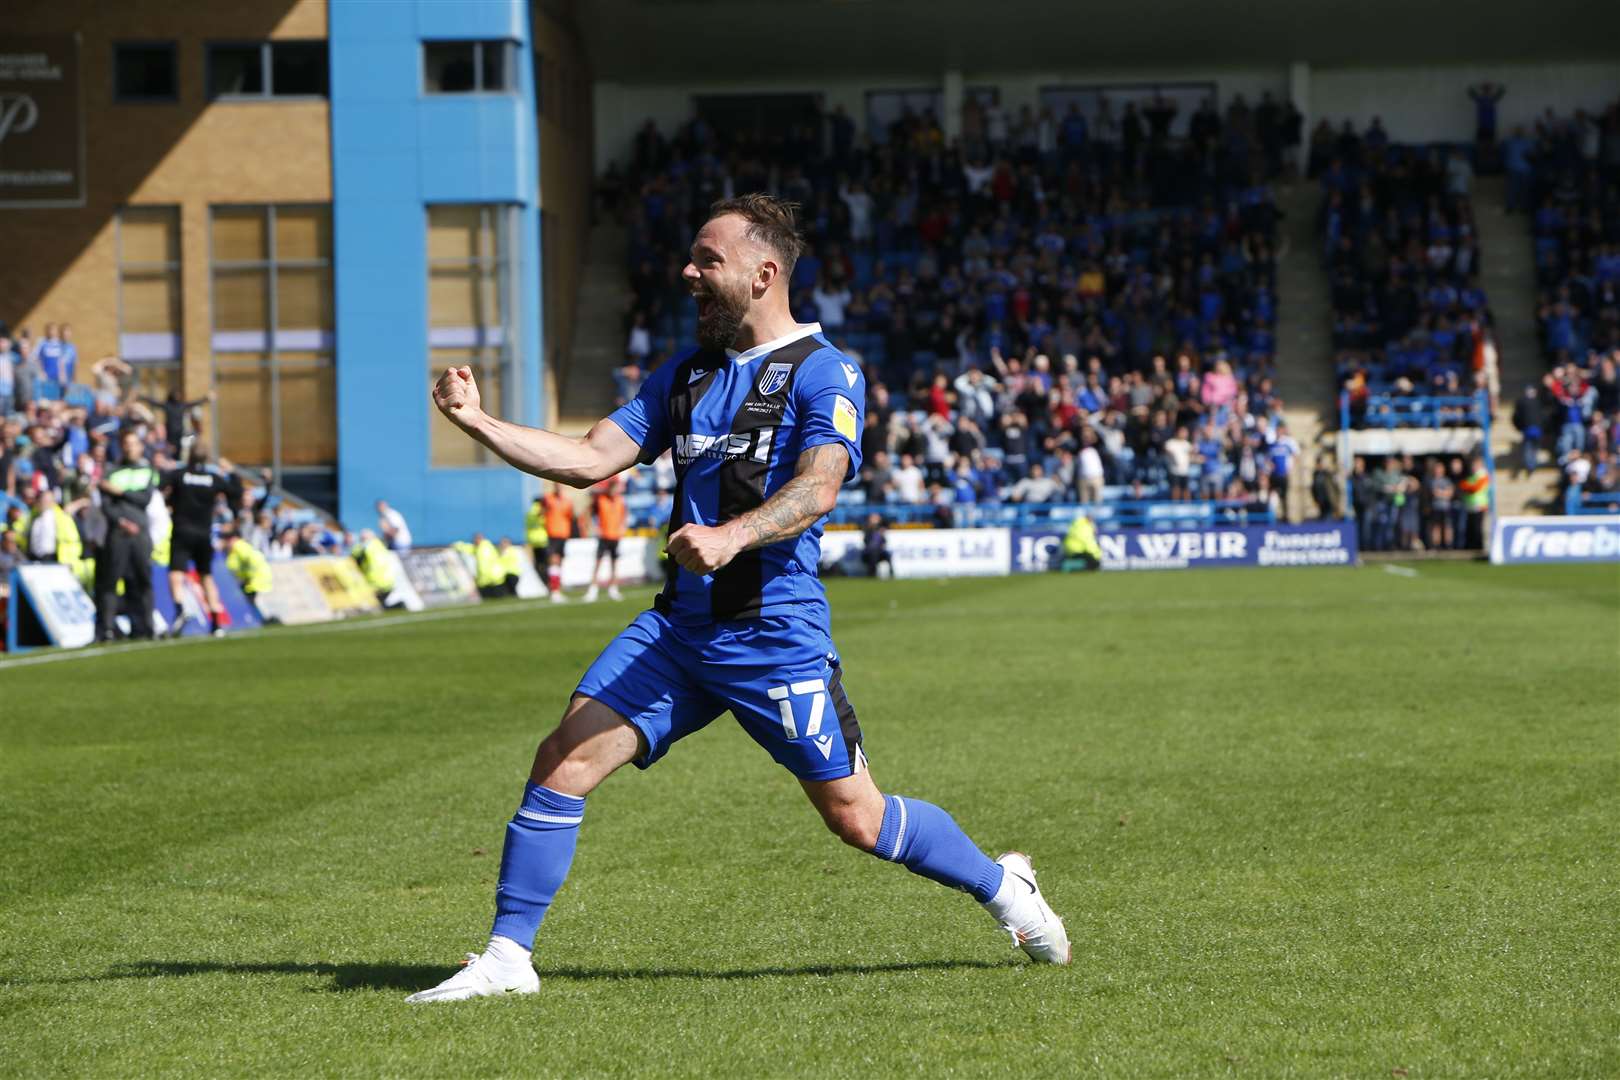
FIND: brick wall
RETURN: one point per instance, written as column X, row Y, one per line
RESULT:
column 60, row 265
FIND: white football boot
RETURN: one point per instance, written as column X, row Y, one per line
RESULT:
column 591, row 594
column 557, row 597
column 614, row 593
column 481, row 977
column 1030, row 920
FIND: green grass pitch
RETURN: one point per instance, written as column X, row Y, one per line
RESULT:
column 1300, row 823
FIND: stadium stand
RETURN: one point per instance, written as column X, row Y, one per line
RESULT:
column 1401, row 247
column 1046, row 313
column 1410, row 328
column 1412, row 324
column 1567, row 181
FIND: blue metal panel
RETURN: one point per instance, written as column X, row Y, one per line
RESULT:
column 396, row 150
column 472, row 19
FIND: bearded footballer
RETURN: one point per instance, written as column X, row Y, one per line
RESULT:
column 763, row 417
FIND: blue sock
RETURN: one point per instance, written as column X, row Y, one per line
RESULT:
column 539, row 849
column 928, row 841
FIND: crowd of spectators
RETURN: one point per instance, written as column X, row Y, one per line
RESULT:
column 1401, row 246
column 1050, row 308
column 1411, row 322
column 60, row 439
column 1565, row 175
column 1431, row 502
column 1576, row 411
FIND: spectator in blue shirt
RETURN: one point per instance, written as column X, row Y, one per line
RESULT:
column 49, row 354
column 1282, row 450
column 964, row 487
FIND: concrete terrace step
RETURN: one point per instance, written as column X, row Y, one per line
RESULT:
column 1508, row 273
column 1304, row 307
column 586, row 390
column 1304, row 336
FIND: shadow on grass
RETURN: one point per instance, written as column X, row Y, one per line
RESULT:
column 419, row 976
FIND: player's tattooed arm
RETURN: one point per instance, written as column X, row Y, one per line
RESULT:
column 796, row 506
column 800, row 502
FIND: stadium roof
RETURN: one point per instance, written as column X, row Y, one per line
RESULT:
column 719, row 40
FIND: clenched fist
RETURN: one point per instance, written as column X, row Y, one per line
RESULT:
column 456, row 395
column 703, row 549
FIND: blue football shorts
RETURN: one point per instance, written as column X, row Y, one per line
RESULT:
column 780, row 677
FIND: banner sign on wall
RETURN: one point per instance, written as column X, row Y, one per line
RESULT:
column 579, row 560
column 316, row 589
column 48, row 606
column 343, row 587
column 637, row 562
column 1318, row 543
column 41, row 122
column 924, row 553
column 1592, row 538
column 293, row 598
column 403, row 594
column 439, row 576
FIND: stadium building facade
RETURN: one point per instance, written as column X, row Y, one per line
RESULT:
column 304, row 207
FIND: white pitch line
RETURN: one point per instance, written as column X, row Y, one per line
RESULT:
column 1399, row 571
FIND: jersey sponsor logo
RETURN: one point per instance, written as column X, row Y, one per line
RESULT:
column 727, row 447
column 774, row 378
column 198, row 479
column 850, row 374
column 844, row 417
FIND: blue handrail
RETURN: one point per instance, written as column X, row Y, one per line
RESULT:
column 1393, row 411
column 1157, row 514
column 1578, row 502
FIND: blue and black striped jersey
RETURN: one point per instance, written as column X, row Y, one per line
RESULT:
column 736, row 424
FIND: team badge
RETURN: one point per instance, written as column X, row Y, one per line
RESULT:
column 775, row 377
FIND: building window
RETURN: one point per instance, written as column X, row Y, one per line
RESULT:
column 267, row 69
column 471, row 314
column 149, row 297
column 468, row 67
column 272, row 336
column 145, row 71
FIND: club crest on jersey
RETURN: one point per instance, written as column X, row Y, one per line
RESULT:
column 774, row 378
